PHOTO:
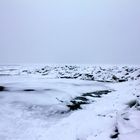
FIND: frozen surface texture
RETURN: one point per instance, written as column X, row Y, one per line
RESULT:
column 83, row 72
column 69, row 103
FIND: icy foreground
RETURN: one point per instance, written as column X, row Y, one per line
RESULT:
column 37, row 104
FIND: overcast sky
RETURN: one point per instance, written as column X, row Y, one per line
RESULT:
column 70, row 31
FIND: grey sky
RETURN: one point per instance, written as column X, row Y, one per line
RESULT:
column 70, row 31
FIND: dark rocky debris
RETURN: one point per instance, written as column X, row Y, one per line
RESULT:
column 83, row 99
column 28, row 90
column 133, row 103
column 115, row 133
column 2, row 88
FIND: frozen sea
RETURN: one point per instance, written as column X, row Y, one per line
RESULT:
column 33, row 107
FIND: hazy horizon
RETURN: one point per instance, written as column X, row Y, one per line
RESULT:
column 70, row 32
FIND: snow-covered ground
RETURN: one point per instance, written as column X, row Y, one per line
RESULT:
column 84, row 72
column 69, row 103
